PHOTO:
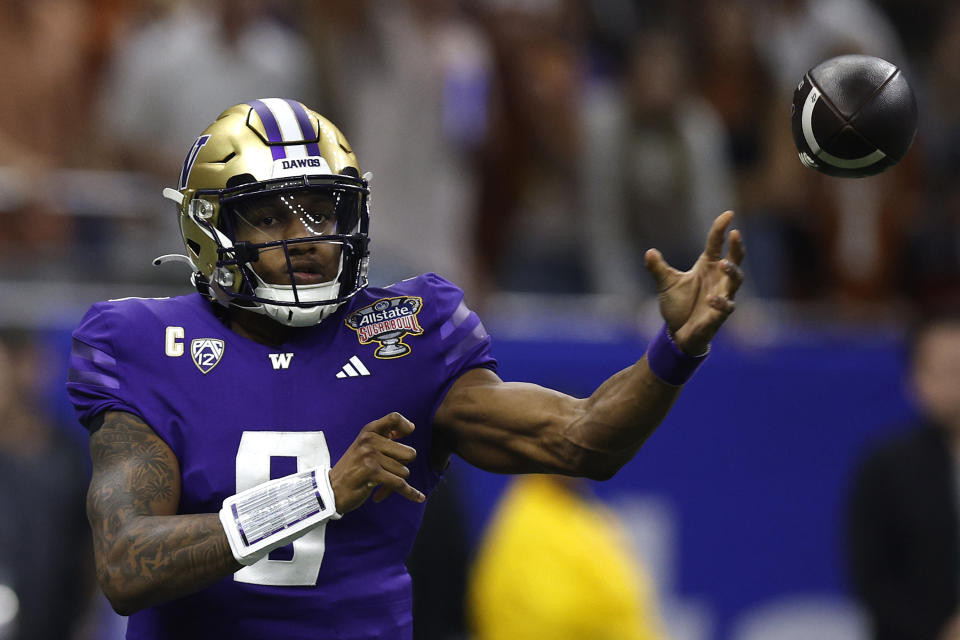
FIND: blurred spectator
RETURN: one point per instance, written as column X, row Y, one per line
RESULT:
column 903, row 535
column 347, row 51
column 655, row 165
column 734, row 76
column 44, row 110
column 175, row 65
column 795, row 35
column 45, row 552
column 50, row 63
column 812, row 236
column 556, row 564
column 529, row 227
column 729, row 72
column 172, row 74
column 610, row 26
column 410, row 78
column 932, row 273
column 916, row 22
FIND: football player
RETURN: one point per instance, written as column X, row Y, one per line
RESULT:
column 262, row 448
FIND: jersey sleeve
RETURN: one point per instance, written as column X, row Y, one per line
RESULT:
column 94, row 381
column 464, row 341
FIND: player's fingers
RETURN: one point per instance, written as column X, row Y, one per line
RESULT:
column 661, row 271
column 394, row 470
column 397, row 451
column 714, row 247
column 734, row 277
column 382, row 494
column 393, row 426
column 395, row 484
column 737, row 249
column 724, row 305
column 393, row 467
column 370, row 445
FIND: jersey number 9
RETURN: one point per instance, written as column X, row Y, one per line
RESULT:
column 253, row 468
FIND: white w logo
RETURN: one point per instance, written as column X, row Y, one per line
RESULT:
column 280, row 360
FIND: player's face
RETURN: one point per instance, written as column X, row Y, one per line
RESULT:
column 287, row 216
column 937, row 373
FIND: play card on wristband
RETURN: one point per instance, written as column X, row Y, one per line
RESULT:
column 274, row 513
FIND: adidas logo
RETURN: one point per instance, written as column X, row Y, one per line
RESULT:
column 353, row 368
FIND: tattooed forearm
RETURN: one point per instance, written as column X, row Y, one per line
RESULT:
column 145, row 554
column 164, row 557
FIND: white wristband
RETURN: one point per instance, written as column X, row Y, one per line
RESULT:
column 275, row 513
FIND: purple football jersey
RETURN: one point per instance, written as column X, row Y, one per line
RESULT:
column 237, row 413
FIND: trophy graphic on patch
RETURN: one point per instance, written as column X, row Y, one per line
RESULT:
column 387, row 321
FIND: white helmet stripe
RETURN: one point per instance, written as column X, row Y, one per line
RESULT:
column 289, row 127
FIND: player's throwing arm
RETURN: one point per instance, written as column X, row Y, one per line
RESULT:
column 513, row 427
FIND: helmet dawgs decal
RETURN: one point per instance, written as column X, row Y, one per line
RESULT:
column 387, row 321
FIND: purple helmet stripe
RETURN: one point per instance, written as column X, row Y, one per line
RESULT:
column 271, row 127
column 306, row 127
column 190, row 159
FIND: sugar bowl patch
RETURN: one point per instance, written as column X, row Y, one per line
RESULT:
column 387, row 321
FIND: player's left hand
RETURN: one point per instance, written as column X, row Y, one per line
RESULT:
column 696, row 303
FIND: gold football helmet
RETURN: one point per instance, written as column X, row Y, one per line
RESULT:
column 261, row 162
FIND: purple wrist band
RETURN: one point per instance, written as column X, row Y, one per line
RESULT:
column 668, row 362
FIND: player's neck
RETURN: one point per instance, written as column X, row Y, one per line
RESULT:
column 258, row 327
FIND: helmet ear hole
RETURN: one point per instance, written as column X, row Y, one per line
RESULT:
column 240, row 179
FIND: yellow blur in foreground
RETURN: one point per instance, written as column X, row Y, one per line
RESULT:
column 556, row 564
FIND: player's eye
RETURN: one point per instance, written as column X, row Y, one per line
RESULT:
column 269, row 218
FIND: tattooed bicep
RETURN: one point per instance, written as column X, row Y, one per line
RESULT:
column 134, row 471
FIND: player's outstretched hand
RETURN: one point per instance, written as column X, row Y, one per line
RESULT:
column 375, row 460
column 695, row 303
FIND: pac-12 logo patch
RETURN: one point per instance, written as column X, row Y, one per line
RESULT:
column 387, row 321
column 206, row 353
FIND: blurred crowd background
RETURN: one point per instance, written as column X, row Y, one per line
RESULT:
column 529, row 150
column 532, row 146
